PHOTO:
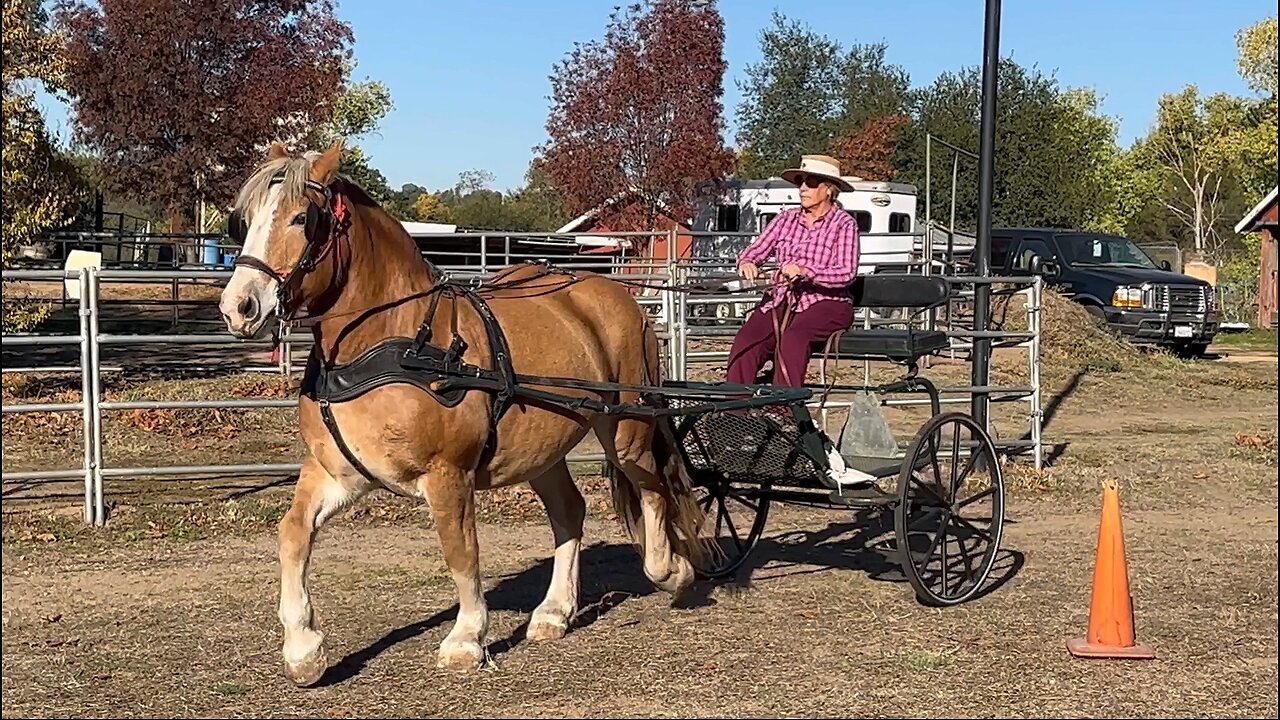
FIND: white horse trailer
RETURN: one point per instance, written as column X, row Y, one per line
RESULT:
column 885, row 212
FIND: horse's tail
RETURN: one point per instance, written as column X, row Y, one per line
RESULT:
column 684, row 516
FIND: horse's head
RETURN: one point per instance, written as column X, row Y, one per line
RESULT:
column 286, row 217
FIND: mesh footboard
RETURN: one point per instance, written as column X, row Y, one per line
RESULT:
column 747, row 446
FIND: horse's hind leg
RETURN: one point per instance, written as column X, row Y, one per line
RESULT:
column 566, row 510
column 451, row 493
column 317, row 497
column 628, row 443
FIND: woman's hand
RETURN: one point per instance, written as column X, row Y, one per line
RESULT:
column 793, row 272
column 748, row 271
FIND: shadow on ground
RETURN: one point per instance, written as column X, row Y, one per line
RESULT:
column 611, row 574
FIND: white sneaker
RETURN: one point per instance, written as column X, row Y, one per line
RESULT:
column 843, row 475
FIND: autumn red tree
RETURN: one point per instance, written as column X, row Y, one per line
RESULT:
column 867, row 152
column 179, row 98
column 641, row 111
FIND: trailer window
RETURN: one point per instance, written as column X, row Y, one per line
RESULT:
column 727, row 218
column 765, row 219
column 864, row 220
column 899, row 223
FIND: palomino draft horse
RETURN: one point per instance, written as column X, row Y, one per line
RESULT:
column 313, row 241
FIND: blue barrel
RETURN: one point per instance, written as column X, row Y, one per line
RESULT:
column 211, row 251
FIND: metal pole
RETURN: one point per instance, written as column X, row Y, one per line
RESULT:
column 986, row 179
column 86, row 394
column 99, row 509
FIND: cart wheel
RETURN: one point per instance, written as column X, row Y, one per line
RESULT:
column 735, row 520
column 950, row 511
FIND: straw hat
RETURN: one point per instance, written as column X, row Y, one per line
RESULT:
column 822, row 165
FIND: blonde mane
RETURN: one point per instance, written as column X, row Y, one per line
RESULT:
column 293, row 171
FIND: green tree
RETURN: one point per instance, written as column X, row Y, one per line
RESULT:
column 809, row 95
column 358, row 111
column 41, row 185
column 1052, row 147
column 1258, row 65
column 1200, row 144
column 1257, row 59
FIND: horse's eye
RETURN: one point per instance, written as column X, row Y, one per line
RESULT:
column 300, row 219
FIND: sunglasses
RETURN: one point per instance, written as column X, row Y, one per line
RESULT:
column 812, row 181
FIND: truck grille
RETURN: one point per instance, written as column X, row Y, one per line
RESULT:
column 1181, row 299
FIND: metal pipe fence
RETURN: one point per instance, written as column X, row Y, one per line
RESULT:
column 674, row 329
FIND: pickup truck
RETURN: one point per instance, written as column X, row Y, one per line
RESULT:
column 1116, row 282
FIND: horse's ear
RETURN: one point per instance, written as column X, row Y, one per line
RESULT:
column 277, row 151
column 325, row 168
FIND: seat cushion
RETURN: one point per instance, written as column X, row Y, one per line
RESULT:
column 891, row 343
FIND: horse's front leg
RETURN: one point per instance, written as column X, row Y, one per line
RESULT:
column 566, row 510
column 317, row 497
column 450, row 491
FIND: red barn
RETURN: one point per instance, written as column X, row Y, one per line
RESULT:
column 627, row 213
column 1263, row 219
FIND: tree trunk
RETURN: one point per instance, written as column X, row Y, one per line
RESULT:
column 181, row 253
column 1198, row 210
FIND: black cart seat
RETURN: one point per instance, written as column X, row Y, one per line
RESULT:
column 900, row 345
column 916, row 293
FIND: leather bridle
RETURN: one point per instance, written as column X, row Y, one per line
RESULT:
column 320, row 226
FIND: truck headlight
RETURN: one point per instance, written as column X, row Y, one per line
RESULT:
column 1127, row 297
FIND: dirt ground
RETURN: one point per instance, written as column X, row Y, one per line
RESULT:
column 172, row 607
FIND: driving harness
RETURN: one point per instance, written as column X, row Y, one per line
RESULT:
column 439, row 371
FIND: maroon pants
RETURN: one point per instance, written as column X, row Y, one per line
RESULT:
column 755, row 342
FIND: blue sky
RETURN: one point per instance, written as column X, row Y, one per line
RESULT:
column 470, row 79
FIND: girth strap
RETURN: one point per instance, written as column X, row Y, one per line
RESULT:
column 326, row 412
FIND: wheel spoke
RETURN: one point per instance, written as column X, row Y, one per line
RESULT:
column 968, row 467
column 915, row 481
column 955, row 460
column 938, row 535
column 976, row 498
column 942, row 533
column 706, row 503
column 745, row 502
column 968, row 564
column 933, row 459
column 733, row 530
column 984, row 534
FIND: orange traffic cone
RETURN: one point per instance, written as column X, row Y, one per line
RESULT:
column 1111, row 633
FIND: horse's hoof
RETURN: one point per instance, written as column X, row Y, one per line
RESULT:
column 309, row 671
column 461, row 656
column 679, row 576
column 546, row 626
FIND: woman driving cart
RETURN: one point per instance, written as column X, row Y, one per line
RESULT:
column 815, row 247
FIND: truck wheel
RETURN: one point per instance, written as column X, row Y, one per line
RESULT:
column 1191, row 351
column 1098, row 315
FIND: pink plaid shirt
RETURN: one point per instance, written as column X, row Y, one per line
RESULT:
column 828, row 252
